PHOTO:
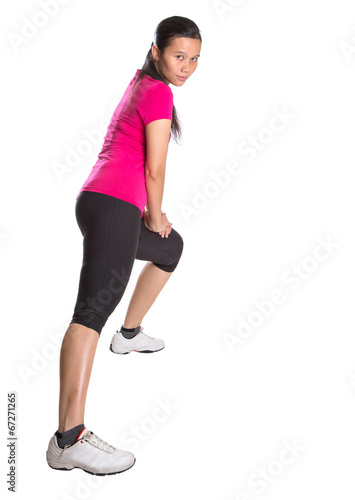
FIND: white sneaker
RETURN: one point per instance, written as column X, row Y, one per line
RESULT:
column 140, row 343
column 89, row 453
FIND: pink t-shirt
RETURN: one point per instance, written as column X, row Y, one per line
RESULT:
column 119, row 170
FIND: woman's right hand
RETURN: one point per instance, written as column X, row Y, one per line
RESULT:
column 165, row 226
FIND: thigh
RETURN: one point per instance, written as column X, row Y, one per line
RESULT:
column 165, row 253
column 110, row 229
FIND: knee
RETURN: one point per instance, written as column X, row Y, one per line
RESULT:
column 92, row 314
column 174, row 252
column 179, row 245
column 178, row 248
column 89, row 319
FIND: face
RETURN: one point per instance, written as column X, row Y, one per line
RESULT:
column 179, row 60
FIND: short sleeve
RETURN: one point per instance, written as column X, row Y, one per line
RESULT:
column 156, row 104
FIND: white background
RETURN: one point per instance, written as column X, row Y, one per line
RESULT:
column 234, row 403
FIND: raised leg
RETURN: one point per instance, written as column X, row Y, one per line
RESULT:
column 149, row 284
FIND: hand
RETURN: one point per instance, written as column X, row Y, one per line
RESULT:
column 164, row 228
column 167, row 229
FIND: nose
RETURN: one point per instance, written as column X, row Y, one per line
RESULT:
column 186, row 68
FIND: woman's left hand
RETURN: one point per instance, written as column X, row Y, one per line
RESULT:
column 165, row 233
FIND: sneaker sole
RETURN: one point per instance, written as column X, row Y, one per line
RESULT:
column 147, row 352
column 93, row 473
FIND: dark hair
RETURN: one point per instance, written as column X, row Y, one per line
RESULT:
column 165, row 32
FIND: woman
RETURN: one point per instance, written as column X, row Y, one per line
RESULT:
column 118, row 210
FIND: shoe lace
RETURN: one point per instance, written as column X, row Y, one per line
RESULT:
column 63, row 449
column 93, row 439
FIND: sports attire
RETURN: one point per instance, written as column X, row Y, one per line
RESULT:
column 89, row 453
column 119, row 170
column 109, row 212
column 110, row 204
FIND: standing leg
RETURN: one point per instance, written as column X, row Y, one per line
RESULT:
column 76, row 360
column 149, row 284
column 110, row 229
column 65, row 450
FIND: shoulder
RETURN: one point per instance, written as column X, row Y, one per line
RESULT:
column 158, row 88
column 157, row 95
column 157, row 102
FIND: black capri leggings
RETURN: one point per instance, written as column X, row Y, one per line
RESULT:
column 114, row 236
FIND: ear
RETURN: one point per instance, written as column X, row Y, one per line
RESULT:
column 155, row 52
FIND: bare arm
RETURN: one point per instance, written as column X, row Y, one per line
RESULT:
column 157, row 139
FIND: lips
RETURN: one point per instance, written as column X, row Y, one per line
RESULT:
column 183, row 77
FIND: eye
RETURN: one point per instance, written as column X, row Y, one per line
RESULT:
column 194, row 58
